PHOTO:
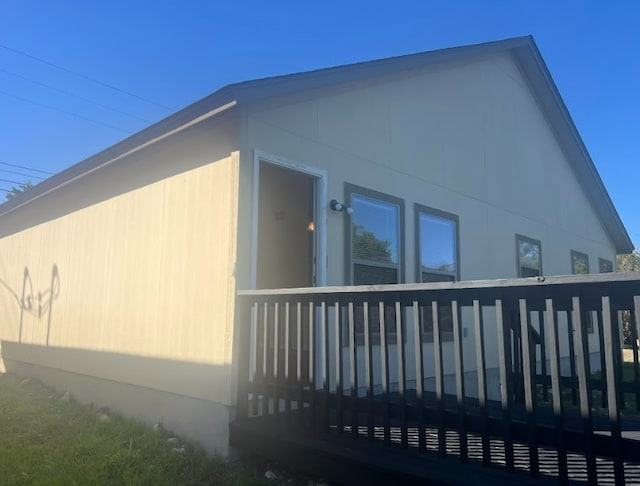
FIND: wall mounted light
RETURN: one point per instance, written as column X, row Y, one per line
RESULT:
column 339, row 207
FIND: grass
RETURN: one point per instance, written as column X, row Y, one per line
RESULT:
column 46, row 440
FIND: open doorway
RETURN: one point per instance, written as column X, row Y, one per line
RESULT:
column 289, row 241
column 286, row 241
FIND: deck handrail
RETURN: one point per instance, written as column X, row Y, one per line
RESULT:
column 343, row 358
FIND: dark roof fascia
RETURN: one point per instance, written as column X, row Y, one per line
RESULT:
column 290, row 84
column 539, row 78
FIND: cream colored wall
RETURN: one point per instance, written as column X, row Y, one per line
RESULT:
column 145, row 254
column 468, row 138
column 465, row 138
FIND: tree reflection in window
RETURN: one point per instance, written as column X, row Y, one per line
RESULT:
column 529, row 257
column 375, row 237
column 579, row 263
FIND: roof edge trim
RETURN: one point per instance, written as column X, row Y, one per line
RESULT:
column 162, row 136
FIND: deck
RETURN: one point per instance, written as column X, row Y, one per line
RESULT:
column 344, row 382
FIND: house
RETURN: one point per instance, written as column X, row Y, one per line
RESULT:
column 119, row 274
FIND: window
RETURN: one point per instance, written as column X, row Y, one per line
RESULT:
column 375, row 251
column 437, row 245
column 605, row 266
column 437, row 258
column 579, row 263
column 529, row 254
column 375, row 243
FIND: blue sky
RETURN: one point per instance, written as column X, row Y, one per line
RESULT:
column 175, row 52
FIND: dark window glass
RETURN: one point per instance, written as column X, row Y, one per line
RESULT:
column 375, row 255
column 605, row 266
column 372, row 275
column 375, row 241
column 579, row 263
column 529, row 257
column 437, row 245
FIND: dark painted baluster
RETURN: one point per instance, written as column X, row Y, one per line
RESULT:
column 259, row 375
column 417, row 343
column 299, row 384
column 339, row 369
column 384, row 361
column 635, row 327
column 528, row 363
column 312, row 368
column 276, row 374
column 611, row 349
column 353, row 373
column 437, row 352
column 616, row 319
column 368, row 370
column 572, row 358
column 327, row 366
column 402, row 383
column 603, row 363
column 245, row 322
column 265, row 359
column 459, row 366
column 478, row 327
column 287, row 345
column 543, row 358
column 584, row 389
column 556, row 392
column 504, row 359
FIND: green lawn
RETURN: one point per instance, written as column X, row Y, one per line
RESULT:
column 47, row 440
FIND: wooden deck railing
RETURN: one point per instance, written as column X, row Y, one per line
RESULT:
column 488, row 366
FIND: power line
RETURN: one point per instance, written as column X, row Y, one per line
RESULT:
column 93, row 80
column 68, row 93
column 37, row 103
column 21, row 174
column 11, row 182
column 4, row 190
column 25, row 168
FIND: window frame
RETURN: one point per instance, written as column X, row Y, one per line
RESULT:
column 420, row 209
column 578, row 254
column 350, row 261
column 527, row 239
column 351, row 189
column 604, row 260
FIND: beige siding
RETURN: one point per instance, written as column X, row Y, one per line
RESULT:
column 465, row 138
column 145, row 286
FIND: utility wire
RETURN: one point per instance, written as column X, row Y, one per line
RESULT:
column 68, row 93
column 93, row 80
column 65, row 112
column 11, row 182
column 21, row 174
column 25, row 168
column 4, row 190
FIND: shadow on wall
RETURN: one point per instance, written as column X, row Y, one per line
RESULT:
column 37, row 303
column 190, row 398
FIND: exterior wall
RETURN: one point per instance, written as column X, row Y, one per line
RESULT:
column 127, row 278
column 467, row 138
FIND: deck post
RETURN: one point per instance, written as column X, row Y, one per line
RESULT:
column 243, row 328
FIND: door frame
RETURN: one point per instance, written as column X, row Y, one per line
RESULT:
column 320, row 212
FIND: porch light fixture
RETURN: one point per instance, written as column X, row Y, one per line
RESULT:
column 339, row 207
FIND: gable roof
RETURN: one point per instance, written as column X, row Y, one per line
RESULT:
column 523, row 50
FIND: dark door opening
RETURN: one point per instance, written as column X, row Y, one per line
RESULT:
column 286, row 256
column 285, row 228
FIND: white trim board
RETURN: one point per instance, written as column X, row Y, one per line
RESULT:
column 321, row 176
